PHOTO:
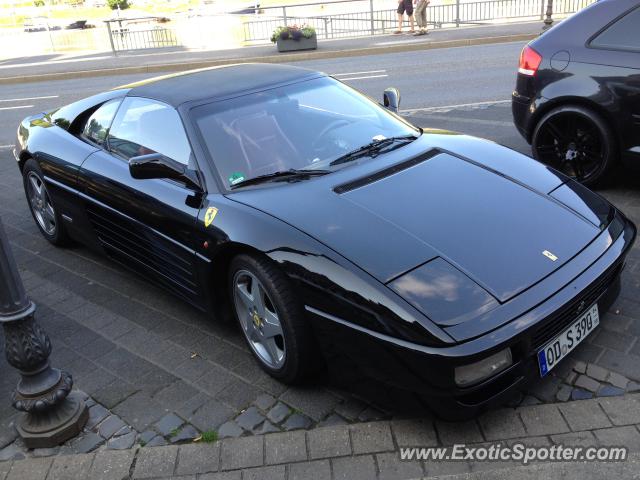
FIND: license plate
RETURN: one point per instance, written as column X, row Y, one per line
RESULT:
column 550, row 355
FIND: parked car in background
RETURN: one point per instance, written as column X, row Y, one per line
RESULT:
column 38, row 24
column 246, row 9
column 79, row 25
column 577, row 96
column 331, row 229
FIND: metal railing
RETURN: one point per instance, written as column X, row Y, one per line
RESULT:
column 474, row 12
column 364, row 19
column 334, row 19
column 136, row 34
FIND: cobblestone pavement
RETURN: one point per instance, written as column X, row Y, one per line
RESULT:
column 166, row 374
column 369, row 450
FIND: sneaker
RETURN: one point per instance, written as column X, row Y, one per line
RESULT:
column 421, row 32
column 397, row 32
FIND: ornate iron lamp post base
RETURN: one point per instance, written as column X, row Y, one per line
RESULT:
column 53, row 413
column 54, row 426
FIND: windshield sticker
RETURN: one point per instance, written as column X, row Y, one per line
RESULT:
column 210, row 215
column 236, row 177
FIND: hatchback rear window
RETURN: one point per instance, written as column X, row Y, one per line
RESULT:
column 621, row 35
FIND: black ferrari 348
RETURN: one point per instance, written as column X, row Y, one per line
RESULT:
column 319, row 219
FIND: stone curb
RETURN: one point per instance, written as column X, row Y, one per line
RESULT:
column 602, row 421
column 291, row 57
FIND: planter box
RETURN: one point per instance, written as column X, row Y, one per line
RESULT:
column 290, row 45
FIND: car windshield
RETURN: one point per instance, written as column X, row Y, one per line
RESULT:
column 302, row 126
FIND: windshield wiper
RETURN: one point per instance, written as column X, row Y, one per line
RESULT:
column 292, row 174
column 374, row 148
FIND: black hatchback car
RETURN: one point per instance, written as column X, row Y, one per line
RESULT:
column 577, row 97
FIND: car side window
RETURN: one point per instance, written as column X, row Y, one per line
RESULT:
column 144, row 126
column 622, row 35
column 98, row 123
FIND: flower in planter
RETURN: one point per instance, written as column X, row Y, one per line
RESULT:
column 293, row 32
column 308, row 31
column 280, row 32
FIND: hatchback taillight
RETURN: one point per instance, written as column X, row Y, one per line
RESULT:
column 529, row 61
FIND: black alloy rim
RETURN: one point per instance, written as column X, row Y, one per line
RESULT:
column 572, row 144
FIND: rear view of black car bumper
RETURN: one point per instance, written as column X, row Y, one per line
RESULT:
column 430, row 371
column 521, row 110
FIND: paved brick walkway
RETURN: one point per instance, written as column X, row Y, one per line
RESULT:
column 361, row 451
column 169, row 374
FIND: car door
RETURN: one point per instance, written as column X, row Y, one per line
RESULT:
column 620, row 43
column 145, row 224
column 69, row 143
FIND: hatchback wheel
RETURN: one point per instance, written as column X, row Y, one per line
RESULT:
column 41, row 205
column 577, row 142
column 272, row 319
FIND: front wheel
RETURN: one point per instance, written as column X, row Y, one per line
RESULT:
column 272, row 319
column 577, row 142
column 48, row 219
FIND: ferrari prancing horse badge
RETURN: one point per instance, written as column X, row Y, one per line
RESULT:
column 210, row 215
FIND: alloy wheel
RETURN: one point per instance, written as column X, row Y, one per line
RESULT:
column 259, row 319
column 572, row 144
column 40, row 203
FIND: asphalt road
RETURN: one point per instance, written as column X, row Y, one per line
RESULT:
column 474, row 83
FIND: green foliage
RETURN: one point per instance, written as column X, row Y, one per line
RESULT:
column 280, row 32
column 308, row 31
column 123, row 4
column 209, row 436
column 39, row 3
column 294, row 32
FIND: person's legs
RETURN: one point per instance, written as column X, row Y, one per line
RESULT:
column 421, row 16
column 417, row 14
column 400, row 15
column 408, row 7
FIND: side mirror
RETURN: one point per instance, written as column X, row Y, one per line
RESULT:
column 156, row 165
column 391, row 98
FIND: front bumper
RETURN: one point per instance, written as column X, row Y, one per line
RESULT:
column 429, row 371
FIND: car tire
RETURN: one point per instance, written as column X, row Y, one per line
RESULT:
column 41, row 206
column 578, row 142
column 287, row 351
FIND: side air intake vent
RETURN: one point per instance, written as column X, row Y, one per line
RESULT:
column 387, row 172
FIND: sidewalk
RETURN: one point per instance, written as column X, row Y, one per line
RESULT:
column 21, row 69
column 371, row 450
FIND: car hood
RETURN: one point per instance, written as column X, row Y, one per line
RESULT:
column 488, row 225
